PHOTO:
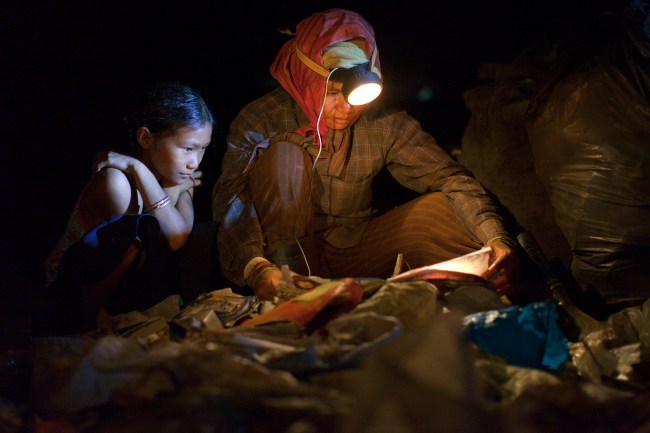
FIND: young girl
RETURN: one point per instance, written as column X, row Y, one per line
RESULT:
column 134, row 212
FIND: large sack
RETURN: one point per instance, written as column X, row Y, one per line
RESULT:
column 561, row 136
column 495, row 147
column 590, row 139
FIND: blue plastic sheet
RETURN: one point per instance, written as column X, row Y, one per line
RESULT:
column 526, row 336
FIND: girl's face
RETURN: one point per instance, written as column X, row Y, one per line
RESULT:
column 338, row 113
column 174, row 157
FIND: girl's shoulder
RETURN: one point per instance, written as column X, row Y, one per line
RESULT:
column 111, row 180
column 110, row 192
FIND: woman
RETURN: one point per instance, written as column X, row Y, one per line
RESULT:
column 297, row 174
column 134, row 212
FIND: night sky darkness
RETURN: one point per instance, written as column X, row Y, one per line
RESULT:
column 67, row 67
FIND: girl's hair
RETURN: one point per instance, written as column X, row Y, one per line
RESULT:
column 167, row 107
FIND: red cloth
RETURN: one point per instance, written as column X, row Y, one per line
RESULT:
column 313, row 35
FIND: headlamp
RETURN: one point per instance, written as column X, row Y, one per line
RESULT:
column 360, row 84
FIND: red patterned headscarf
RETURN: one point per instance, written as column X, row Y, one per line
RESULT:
column 313, row 35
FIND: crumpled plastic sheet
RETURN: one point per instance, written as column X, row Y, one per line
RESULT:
column 420, row 383
column 644, row 334
column 72, row 374
column 526, row 336
column 508, row 382
column 114, row 370
column 613, row 350
column 345, row 339
column 469, row 298
column 411, row 302
column 591, row 151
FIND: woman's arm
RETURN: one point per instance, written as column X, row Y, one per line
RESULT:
column 417, row 162
column 239, row 236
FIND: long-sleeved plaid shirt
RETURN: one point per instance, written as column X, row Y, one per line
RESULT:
column 380, row 137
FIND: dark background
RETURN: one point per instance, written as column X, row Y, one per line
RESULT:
column 67, row 68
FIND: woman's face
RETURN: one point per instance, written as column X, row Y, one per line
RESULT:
column 174, row 157
column 338, row 113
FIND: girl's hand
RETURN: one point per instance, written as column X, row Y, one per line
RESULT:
column 176, row 221
column 116, row 160
column 504, row 267
column 189, row 185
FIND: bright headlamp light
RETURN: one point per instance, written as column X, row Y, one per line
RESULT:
column 360, row 85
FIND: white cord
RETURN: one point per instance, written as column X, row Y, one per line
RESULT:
column 313, row 170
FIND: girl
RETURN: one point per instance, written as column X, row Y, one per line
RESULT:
column 135, row 210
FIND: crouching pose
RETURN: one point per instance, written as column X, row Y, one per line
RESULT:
column 134, row 213
column 296, row 180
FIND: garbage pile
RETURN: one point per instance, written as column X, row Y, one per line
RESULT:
column 442, row 354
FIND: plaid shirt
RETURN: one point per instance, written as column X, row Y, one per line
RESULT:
column 380, row 137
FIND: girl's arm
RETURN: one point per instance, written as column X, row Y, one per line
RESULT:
column 171, row 206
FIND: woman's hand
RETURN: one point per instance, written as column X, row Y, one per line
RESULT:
column 267, row 283
column 503, row 269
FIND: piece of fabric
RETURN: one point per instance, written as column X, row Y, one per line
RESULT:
column 333, row 156
column 527, row 336
column 86, row 268
column 425, row 230
column 344, row 55
column 74, row 231
column 284, row 205
column 76, row 228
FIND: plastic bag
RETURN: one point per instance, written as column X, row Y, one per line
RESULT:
column 589, row 139
column 525, row 336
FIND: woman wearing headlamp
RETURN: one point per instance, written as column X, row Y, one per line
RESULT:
column 296, row 180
